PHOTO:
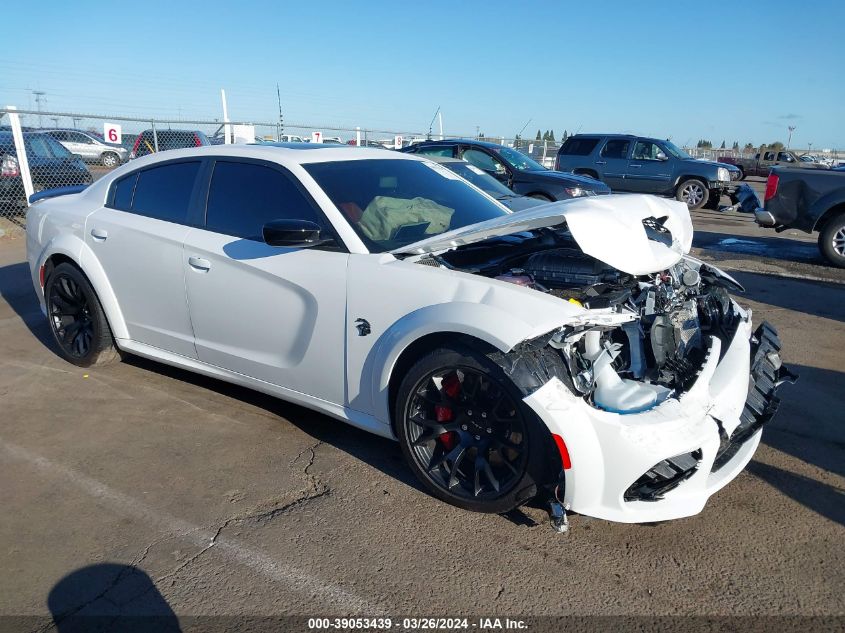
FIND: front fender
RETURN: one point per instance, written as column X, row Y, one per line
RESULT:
column 487, row 323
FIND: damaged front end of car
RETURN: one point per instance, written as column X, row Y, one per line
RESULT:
column 656, row 390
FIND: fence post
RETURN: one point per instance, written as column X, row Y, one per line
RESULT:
column 155, row 136
column 20, row 150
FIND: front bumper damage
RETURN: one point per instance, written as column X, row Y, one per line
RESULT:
column 665, row 462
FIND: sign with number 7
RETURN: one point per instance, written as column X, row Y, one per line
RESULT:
column 112, row 133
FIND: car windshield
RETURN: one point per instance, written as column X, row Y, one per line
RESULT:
column 518, row 160
column 392, row 202
column 676, row 151
column 476, row 176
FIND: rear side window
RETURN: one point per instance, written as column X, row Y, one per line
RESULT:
column 164, row 193
column 578, row 146
column 437, row 151
column 616, row 149
column 123, row 190
column 243, row 197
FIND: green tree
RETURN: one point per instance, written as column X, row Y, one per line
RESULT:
column 539, row 136
column 735, row 146
column 565, row 136
column 776, row 146
column 704, row 143
column 723, row 145
column 552, row 136
column 749, row 147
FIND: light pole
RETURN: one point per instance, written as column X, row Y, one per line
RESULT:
column 55, row 121
column 76, row 120
column 791, row 129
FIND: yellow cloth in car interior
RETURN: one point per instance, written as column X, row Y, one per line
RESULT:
column 384, row 215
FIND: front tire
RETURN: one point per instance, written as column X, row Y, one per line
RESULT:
column 467, row 435
column 693, row 192
column 832, row 240
column 77, row 319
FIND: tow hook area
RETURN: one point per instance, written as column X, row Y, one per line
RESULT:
column 557, row 508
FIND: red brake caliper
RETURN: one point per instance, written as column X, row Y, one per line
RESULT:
column 451, row 386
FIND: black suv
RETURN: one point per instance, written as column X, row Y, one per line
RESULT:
column 647, row 165
column 513, row 168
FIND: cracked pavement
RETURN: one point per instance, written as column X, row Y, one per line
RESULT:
column 138, row 488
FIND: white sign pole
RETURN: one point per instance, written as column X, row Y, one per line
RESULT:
column 227, row 138
column 20, row 150
column 357, row 136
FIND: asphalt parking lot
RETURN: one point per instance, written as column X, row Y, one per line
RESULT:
column 153, row 484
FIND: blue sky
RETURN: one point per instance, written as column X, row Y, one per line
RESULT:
column 739, row 71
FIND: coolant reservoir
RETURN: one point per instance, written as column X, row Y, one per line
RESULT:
column 615, row 394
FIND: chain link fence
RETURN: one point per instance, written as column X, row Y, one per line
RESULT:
column 66, row 149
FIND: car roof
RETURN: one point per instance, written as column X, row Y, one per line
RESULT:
column 626, row 136
column 453, row 141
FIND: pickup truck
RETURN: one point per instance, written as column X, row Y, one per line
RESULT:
column 763, row 162
column 810, row 200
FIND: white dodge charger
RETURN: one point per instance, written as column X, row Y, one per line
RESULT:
column 574, row 350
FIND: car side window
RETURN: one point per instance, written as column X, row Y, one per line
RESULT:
column 483, row 160
column 164, row 193
column 616, row 149
column 646, row 150
column 769, row 156
column 243, row 197
column 59, row 135
column 436, row 151
column 579, row 146
column 123, row 191
column 783, row 156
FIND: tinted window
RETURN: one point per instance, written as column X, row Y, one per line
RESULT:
column 482, row 160
column 164, row 192
column 245, row 196
column 123, row 190
column 59, row 135
column 390, row 202
column 37, row 145
column 57, row 149
column 646, row 150
column 579, row 146
column 436, row 151
column 616, row 149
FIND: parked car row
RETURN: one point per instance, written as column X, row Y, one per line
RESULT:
column 50, row 164
column 763, row 162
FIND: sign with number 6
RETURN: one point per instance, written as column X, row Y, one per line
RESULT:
column 112, row 133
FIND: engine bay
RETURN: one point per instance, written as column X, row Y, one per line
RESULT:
column 627, row 368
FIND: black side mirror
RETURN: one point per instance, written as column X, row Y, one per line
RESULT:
column 293, row 234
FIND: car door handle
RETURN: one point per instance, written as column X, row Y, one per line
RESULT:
column 99, row 235
column 601, row 162
column 200, row 264
column 635, row 166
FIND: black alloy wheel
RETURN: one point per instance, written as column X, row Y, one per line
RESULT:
column 466, row 434
column 77, row 319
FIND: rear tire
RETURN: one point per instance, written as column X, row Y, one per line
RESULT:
column 832, row 240
column 77, row 319
column 467, row 435
column 693, row 192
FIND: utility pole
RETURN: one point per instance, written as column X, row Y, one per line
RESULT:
column 281, row 125
column 39, row 97
column 477, row 132
column 55, row 121
column 430, row 125
column 76, row 120
column 791, row 129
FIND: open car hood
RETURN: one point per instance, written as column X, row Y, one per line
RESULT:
column 636, row 234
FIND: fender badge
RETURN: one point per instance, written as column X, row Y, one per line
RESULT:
column 363, row 327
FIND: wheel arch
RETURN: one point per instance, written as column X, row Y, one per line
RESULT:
column 87, row 263
column 418, row 348
column 828, row 215
column 592, row 173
